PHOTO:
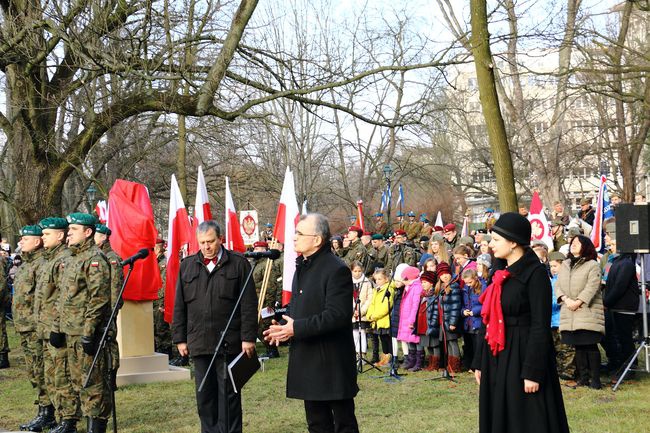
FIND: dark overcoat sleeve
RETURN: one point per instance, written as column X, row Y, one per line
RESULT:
column 179, row 319
column 535, row 361
column 248, row 306
column 337, row 309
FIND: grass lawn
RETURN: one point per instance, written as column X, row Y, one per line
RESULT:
column 412, row 405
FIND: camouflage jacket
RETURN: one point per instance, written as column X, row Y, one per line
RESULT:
column 162, row 266
column 356, row 253
column 379, row 255
column 25, row 289
column 48, row 285
column 272, row 291
column 412, row 229
column 85, row 291
column 401, row 253
column 4, row 287
column 117, row 273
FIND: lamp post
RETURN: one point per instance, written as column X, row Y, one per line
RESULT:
column 387, row 172
column 91, row 192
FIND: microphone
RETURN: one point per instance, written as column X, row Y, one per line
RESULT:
column 270, row 254
column 144, row 252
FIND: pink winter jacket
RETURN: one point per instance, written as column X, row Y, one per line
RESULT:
column 408, row 312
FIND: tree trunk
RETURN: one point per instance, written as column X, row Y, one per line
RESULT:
column 480, row 41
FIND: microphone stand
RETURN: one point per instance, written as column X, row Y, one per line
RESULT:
column 102, row 343
column 225, row 350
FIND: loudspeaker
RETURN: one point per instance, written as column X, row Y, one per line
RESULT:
column 633, row 228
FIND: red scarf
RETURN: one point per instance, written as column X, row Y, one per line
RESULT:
column 495, row 328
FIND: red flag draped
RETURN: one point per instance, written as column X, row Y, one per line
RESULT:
column 360, row 222
column 132, row 225
column 202, row 210
column 284, row 231
column 234, row 239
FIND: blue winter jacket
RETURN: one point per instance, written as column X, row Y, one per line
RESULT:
column 451, row 305
column 555, row 308
column 471, row 302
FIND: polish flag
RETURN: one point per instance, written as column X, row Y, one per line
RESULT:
column 540, row 228
column 202, row 210
column 179, row 234
column 360, row 222
column 234, row 240
column 101, row 209
column 439, row 222
column 284, row 231
column 465, row 230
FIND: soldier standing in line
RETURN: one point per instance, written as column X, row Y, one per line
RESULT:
column 86, row 300
column 102, row 240
column 270, row 297
column 378, row 252
column 162, row 332
column 400, row 252
column 381, row 226
column 47, row 312
column 399, row 222
column 4, row 301
column 31, row 246
column 412, row 227
column 356, row 252
column 451, row 237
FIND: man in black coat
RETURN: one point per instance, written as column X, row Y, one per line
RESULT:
column 322, row 368
column 207, row 290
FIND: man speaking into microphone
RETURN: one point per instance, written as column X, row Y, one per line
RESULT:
column 208, row 287
column 322, row 365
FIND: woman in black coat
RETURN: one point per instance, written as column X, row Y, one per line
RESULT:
column 515, row 362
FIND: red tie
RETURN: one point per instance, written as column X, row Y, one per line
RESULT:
column 207, row 261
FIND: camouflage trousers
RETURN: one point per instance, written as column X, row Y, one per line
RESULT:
column 33, row 350
column 57, row 382
column 564, row 355
column 4, row 340
column 162, row 333
column 95, row 399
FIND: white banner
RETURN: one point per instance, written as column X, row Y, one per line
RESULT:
column 249, row 226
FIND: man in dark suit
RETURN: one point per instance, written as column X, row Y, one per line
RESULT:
column 206, row 293
column 322, row 369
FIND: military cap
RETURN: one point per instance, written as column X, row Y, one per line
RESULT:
column 377, row 237
column 53, row 223
column 585, row 201
column 260, row 244
column 538, row 243
column 82, row 219
column 400, row 232
column 355, row 229
column 424, row 218
column 556, row 255
column 449, row 227
column 437, row 238
column 101, row 228
column 466, row 240
column 482, row 231
column 573, row 231
column 31, row 231
column 269, row 225
column 424, row 238
column 411, row 214
column 378, row 214
column 400, row 213
column 160, row 241
column 438, row 229
column 489, row 210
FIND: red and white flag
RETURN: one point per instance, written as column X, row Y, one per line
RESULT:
column 360, row 215
column 234, row 240
column 202, row 210
column 179, row 234
column 284, row 231
column 465, row 230
column 101, row 209
column 540, row 229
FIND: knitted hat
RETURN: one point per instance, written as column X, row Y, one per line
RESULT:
column 556, row 255
column 410, row 273
column 429, row 277
column 443, row 268
column 484, row 259
column 514, row 227
column 397, row 276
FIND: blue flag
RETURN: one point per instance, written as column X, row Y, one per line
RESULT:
column 383, row 201
column 401, row 195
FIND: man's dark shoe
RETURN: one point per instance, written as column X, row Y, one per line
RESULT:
column 181, row 361
column 96, row 425
column 4, row 360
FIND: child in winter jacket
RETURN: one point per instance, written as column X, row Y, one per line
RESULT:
column 362, row 296
column 447, row 314
column 408, row 313
column 378, row 315
column 471, row 311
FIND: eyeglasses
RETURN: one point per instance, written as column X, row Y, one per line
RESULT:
column 304, row 234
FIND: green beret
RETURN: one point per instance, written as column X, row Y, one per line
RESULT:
column 53, row 223
column 437, row 238
column 377, row 237
column 466, row 240
column 31, row 231
column 556, row 255
column 101, row 228
column 82, row 219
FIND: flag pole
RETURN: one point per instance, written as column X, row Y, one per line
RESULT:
column 265, row 281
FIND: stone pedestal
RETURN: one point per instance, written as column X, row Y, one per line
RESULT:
column 138, row 362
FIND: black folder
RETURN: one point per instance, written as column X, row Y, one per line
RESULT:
column 241, row 369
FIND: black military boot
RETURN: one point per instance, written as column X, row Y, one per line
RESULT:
column 66, row 426
column 43, row 421
column 96, row 425
column 4, row 360
column 37, row 419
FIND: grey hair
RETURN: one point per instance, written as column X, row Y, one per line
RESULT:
column 321, row 225
column 208, row 225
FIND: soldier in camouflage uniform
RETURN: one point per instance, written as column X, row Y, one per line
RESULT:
column 412, row 227
column 162, row 332
column 452, row 239
column 4, row 301
column 23, row 312
column 356, row 252
column 381, row 226
column 378, row 252
column 272, row 297
column 102, row 240
column 400, row 252
column 46, row 312
column 399, row 222
column 86, row 300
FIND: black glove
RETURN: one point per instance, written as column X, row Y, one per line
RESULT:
column 88, row 345
column 57, row 339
